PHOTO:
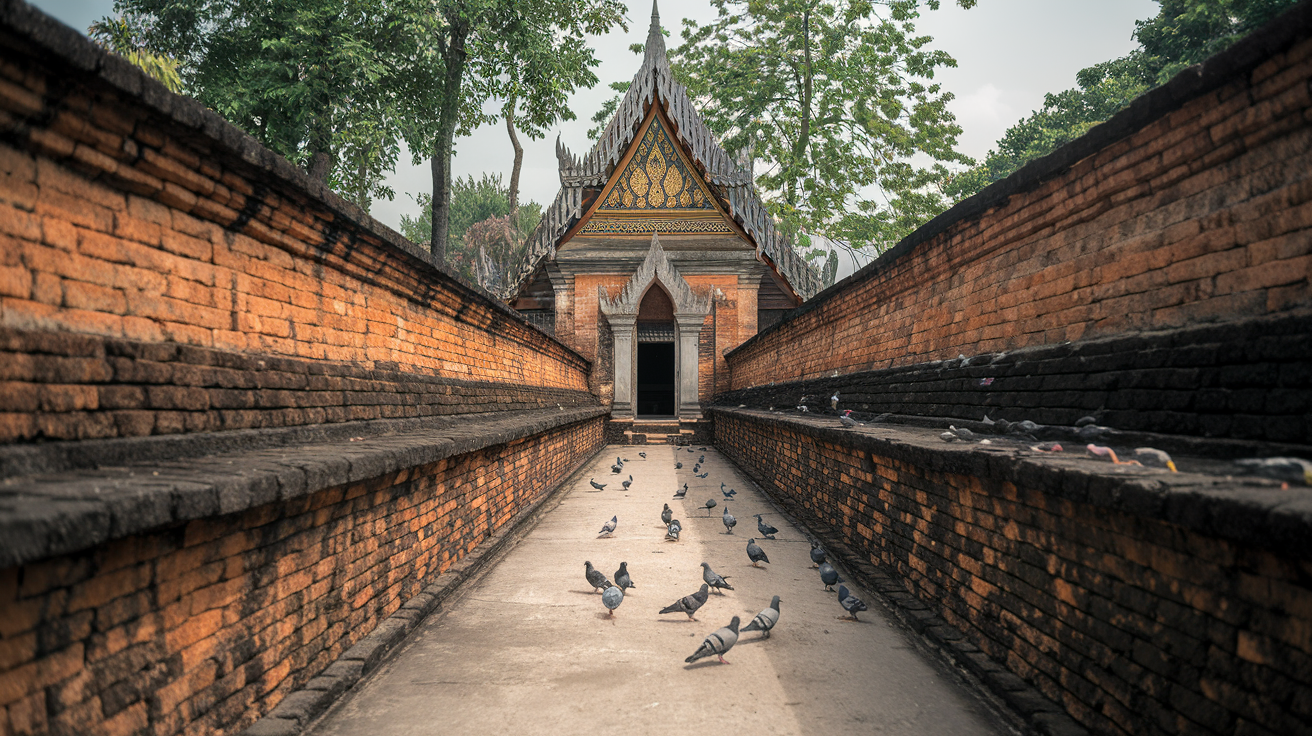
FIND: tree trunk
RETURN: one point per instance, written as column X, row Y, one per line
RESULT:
column 514, row 171
column 448, row 117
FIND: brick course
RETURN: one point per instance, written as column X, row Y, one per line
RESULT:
column 1133, row 624
column 205, row 626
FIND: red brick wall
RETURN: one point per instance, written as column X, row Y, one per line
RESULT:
column 1203, row 214
column 143, row 219
column 1133, row 624
column 202, row 628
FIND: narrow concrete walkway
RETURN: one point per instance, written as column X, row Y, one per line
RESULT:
column 529, row 649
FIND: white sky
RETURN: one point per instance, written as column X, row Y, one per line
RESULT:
column 1009, row 54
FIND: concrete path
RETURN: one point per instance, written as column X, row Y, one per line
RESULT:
column 529, row 649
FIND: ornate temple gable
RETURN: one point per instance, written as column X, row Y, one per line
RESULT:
column 655, row 267
column 732, row 187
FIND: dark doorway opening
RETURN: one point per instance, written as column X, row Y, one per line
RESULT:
column 655, row 379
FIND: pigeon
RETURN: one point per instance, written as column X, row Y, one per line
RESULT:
column 595, row 578
column 802, row 408
column 678, row 466
column 1286, row 469
column 1091, row 432
column 829, row 575
column 703, row 475
column 617, row 467
column 1024, row 426
column 728, row 494
column 817, row 554
column 690, row 450
column 689, row 603
column 948, row 437
column 766, row 619
column 642, row 455
column 672, row 530
column 695, row 468
column 609, row 526
column 961, row 433
column 682, row 491
column 713, row 578
column 611, row 598
column 717, row 644
column 846, row 419
column 701, row 459
column 701, row 449
column 627, row 483
column 598, row 486
column 666, row 515
column 710, row 504
column 755, row 553
column 850, row 603
column 728, row 520
column 765, row 529
column 1085, row 421
column 833, row 401
column 622, row 578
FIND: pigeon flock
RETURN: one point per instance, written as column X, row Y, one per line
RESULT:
column 719, row 642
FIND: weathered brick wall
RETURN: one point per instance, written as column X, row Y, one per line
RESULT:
column 1193, row 206
column 143, row 219
column 202, row 627
column 1141, row 603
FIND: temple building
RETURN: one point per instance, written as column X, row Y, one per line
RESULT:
column 657, row 257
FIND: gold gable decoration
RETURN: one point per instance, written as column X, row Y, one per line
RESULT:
column 656, row 178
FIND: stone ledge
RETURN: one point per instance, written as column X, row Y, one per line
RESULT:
column 1249, row 510
column 299, row 708
column 63, row 512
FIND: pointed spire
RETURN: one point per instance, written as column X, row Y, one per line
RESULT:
column 655, row 39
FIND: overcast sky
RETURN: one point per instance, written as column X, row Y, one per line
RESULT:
column 1009, row 53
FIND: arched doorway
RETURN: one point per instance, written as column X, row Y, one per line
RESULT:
column 656, row 355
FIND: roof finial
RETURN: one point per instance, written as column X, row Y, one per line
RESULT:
column 655, row 39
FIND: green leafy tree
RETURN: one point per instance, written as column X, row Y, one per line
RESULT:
column 833, row 102
column 117, row 36
column 1183, row 33
column 474, row 201
column 530, row 53
column 315, row 80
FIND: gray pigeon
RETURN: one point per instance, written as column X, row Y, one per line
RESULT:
column 765, row 620
column 728, row 520
column 622, row 578
column 817, row 554
column 696, row 467
column 710, row 504
column 846, row 419
column 962, row 433
column 713, row 579
column 689, row 603
column 765, row 529
column 609, row 527
column 703, row 475
column 678, row 466
column 642, row 455
column 672, row 531
column 689, row 449
column 850, row 603
column 828, row 575
column 667, row 514
column 627, row 483
column 682, row 491
column 755, row 553
column 595, row 578
column 728, row 494
column 611, row 598
column 701, row 459
column 618, row 466
column 718, row 644
column 598, row 486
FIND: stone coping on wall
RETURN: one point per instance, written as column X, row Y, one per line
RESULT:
column 62, row 512
column 50, row 42
column 1239, row 59
column 1256, row 511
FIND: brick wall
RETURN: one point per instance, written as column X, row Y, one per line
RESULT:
column 201, row 628
column 1193, row 206
column 1140, row 604
column 144, row 220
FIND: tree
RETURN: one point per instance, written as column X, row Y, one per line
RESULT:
column 833, row 101
column 532, row 54
column 315, row 80
column 115, row 35
column 1183, row 33
column 474, row 201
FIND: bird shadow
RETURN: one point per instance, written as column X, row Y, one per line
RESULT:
column 754, row 567
column 584, row 592
column 851, row 620
column 704, row 663
column 605, row 616
column 679, row 620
